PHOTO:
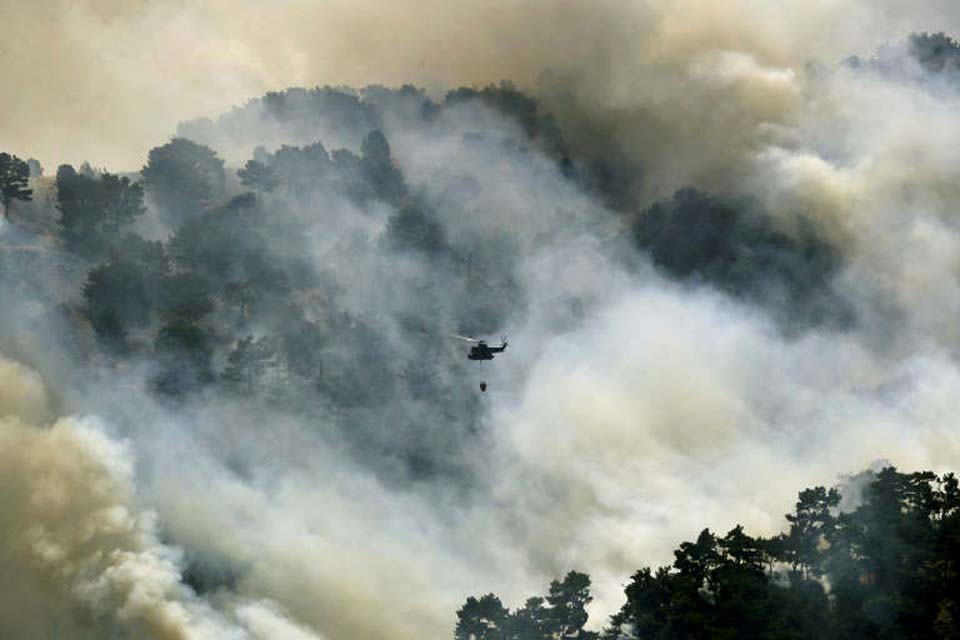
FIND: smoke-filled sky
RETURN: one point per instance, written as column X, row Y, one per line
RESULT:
column 105, row 80
column 610, row 433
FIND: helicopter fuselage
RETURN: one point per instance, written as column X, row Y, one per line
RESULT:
column 484, row 352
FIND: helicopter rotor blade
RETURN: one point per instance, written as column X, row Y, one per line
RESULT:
column 465, row 338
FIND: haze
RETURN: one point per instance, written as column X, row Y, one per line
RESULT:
column 105, row 80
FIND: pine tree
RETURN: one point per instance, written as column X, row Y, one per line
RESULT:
column 14, row 176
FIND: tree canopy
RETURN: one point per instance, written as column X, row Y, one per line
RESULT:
column 184, row 178
column 94, row 207
column 561, row 614
column 885, row 568
column 14, row 177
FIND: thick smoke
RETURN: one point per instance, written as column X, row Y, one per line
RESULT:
column 120, row 76
column 87, row 561
column 631, row 410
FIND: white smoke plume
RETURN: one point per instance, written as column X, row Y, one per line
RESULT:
column 614, row 432
column 87, row 562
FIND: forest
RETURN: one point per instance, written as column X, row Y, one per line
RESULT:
column 226, row 292
column 886, row 568
column 306, row 257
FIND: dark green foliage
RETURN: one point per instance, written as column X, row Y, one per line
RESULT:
column 414, row 228
column 207, row 576
column 483, row 619
column 121, row 292
column 185, row 296
column 219, row 242
column 122, row 202
column 513, row 103
column 608, row 178
column 532, row 621
column 408, row 100
column 184, row 359
column 890, row 569
column 931, row 60
column 298, row 269
column 936, row 52
column 378, row 169
column 697, row 236
column 560, row 615
column 110, row 329
column 258, row 176
column 338, row 115
column 890, row 564
column 79, row 202
column 708, row 593
column 14, row 176
column 150, row 255
column 310, row 110
column 94, row 207
column 300, row 170
column 347, row 167
column 184, row 178
column 117, row 298
column 812, row 522
column 567, row 600
column 893, row 560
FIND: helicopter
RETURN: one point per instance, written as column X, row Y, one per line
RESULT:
column 482, row 351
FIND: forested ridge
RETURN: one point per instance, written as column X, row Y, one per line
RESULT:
column 228, row 294
column 309, row 254
column 218, row 271
column 883, row 566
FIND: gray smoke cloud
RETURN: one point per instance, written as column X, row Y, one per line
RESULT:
column 88, row 561
column 120, row 76
column 612, row 429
